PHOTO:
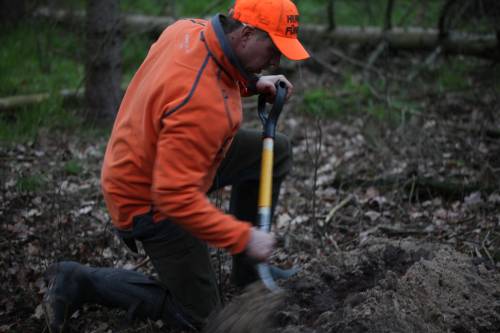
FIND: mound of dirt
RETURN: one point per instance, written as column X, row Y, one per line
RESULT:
column 394, row 286
column 250, row 312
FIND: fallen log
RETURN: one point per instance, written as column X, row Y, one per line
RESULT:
column 131, row 23
column 421, row 186
column 411, row 39
column 68, row 96
column 17, row 102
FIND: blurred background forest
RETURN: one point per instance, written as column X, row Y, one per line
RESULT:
column 394, row 123
column 43, row 53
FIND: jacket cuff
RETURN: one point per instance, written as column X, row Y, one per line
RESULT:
column 242, row 242
column 252, row 84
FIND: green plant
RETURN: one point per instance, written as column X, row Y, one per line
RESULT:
column 73, row 167
column 320, row 102
column 453, row 76
column 357, row 92
column 30, row 183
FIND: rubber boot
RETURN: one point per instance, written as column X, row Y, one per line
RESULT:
column 70, row 285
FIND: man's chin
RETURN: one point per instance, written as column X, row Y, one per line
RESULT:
column 253, row 70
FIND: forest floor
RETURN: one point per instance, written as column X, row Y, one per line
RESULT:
column 393, row 219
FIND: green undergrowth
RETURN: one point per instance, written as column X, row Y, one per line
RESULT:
column 347, row 12
column 25, row 124
column 452, row 75
column 174, row 8
column 49, row 119
column 358, row 12
column 30, row 183
column 73, row 167
column 356, row 100
column 352, row 97
column 163, row 8
column 39, row 58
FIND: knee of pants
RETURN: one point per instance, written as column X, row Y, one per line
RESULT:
column 283, row 156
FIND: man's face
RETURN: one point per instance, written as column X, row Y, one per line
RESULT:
column 257, row 51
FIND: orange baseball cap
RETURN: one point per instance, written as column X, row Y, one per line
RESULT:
column 279, row 18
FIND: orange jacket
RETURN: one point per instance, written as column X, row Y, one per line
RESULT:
column 175, row 124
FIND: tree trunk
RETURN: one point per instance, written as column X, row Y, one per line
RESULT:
column 332, row 24
column 11, row 11
column 388, row 15
column 103, row 61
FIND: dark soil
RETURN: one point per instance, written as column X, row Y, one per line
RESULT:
column 382, row 286
column 395, row 286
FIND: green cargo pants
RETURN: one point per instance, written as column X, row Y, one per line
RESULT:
column 181, row 260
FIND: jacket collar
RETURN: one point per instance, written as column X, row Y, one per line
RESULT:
column 221, row 51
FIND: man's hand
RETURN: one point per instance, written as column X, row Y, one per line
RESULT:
column 267, row 85
column 261, row 244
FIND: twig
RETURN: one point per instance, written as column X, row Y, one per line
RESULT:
column 372, row 59
column 326, row 65
column 339, row 206
column 141, row 264
column 317, row 155
column 483, row 245
column 395, row 231
column 478, row 253
column 361, row 64
column 336, row 245
column 430, row 60
column 218, row 204
column 412, row 189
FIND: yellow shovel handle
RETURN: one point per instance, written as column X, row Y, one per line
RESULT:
column 266, row 177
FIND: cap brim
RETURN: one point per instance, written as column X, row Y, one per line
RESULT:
column 290, row 47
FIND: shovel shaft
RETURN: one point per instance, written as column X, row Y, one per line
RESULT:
column 269, row 121
column 266, row 176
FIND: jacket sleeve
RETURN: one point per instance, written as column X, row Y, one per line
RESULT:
column 249, row 88
column 190, row 142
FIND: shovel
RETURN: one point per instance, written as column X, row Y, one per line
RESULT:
column 269, row 121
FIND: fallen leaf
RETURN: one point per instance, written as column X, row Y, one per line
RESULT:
column 38, row 312
column 372, row 215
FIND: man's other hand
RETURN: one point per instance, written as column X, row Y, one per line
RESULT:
column 261, row 244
